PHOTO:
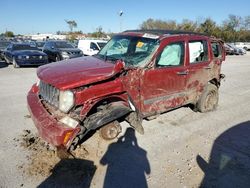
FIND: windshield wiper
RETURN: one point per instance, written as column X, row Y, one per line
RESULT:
column 111, row 58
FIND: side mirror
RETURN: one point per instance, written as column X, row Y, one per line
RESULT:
column 119, row 66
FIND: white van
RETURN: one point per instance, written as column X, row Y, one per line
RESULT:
column 91, row 46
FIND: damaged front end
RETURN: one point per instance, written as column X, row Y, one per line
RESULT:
column 66, row 131
column 64, row 117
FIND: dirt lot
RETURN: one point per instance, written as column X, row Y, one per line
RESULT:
column 179, row 149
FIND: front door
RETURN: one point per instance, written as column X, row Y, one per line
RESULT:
column 163, row 87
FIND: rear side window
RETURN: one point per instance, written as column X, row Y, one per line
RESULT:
column 217, row 51
column 198, row 51
column 172, row 55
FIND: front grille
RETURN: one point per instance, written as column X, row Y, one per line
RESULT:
column 35, row 57
column 74, row 53
column 49, row 93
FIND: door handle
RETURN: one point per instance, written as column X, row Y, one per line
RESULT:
column 207, row 68
column 182, row 73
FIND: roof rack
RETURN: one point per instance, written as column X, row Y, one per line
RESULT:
column 169, row 32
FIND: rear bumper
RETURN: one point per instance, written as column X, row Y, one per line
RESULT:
column 48, row 127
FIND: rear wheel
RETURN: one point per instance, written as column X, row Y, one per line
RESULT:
column 209, row 99
column 110, row 131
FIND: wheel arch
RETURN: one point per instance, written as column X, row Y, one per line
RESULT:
column 215, row 81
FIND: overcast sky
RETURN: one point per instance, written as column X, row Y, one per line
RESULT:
column 48, row 16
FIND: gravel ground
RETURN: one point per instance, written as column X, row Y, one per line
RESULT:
column 179, row 149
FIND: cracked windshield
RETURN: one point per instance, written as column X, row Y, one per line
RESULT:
column 134, row 51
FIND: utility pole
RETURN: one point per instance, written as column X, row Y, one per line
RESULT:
column 120, row 16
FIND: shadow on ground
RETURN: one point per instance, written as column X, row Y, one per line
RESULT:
column 3, row 64
column 229, row 163
column 71, row 173
column 127, row 163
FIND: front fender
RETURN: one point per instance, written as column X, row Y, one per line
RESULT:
column 110, row 113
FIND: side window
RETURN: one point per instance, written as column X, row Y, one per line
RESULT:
column 217, row 52
column 198, row 51
column 93, row 46
column 172, row 55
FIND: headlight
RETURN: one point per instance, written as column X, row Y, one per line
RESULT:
column 40, row 57
column 69, row 121
column 65, row 54
column 66, row 100
column 19, row 57
column 27, row 57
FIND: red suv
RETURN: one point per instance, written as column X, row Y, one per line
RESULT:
column 138, row 74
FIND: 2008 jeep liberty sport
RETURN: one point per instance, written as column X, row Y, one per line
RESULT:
column 138, row 74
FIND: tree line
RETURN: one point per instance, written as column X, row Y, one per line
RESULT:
column 233, row 29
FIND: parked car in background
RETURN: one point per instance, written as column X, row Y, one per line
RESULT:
column 23, row 54
column 244, row 45
column 91, row 46
column 60, row 50
column 154, row 72
column 40, row 44
column 3, row 46
column 229, row 50
column 237, row 51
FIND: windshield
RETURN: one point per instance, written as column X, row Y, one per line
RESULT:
column 134, row 51
column 63, row 45
column 40, row 44
column 24, row 47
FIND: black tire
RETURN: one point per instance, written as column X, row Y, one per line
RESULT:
column 209, row 99
column 15, row 65
column 58, row 58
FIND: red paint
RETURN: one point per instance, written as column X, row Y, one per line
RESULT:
column 75, row 73
column 48, row 127
column 150, row 89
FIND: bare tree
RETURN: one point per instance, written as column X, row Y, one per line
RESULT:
column 72, row 24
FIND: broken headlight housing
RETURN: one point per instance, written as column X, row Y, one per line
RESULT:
column 66, row 100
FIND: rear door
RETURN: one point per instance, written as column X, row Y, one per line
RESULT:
column 163, row 87
column 199, row 66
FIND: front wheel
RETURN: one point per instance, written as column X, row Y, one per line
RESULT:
column 209, row 99
column 110, row 131
column 58, row 58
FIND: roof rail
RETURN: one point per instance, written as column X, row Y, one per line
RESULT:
column 162, row 32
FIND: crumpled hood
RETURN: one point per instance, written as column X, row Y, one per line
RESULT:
column 75, row 72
